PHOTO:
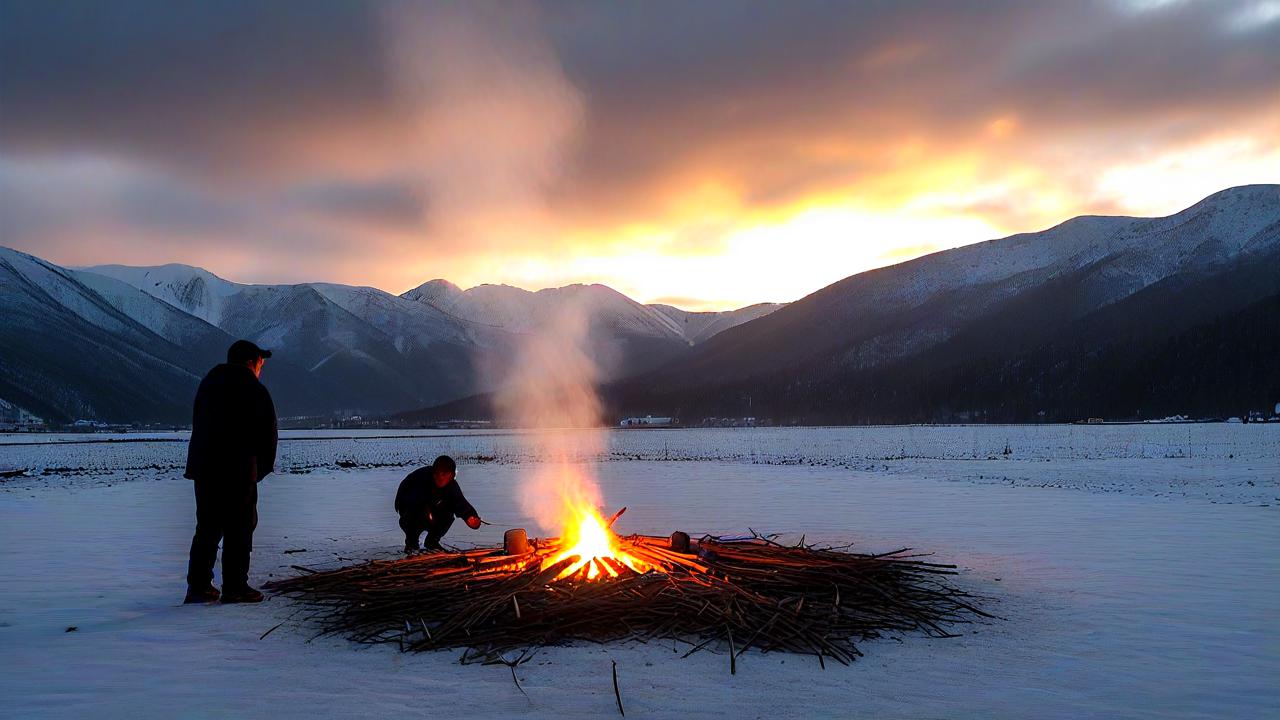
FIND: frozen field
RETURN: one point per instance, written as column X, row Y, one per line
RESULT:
column 1135, row 565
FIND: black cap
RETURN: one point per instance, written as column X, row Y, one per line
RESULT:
column 446, row 463
column 243, row 351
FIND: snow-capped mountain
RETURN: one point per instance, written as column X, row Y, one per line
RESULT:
column 372, row 350
column 523, row 311
column 625, row 336
column 194, row 290
column 1111, row 312
column 465, row 336
column 699, row 326
column 339, row 349
column 911, row 331
column 82, row 346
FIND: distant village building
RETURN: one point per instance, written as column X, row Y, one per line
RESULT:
column 16, row 419
column 732, row 422
column 647, row 421
column 463, row 425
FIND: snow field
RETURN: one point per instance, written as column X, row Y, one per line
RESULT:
column 1118, row 602
column 1216, row 462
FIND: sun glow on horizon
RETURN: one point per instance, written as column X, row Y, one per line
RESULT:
column 712, row 250
column 1183, row 177
column 779, row 259
column 720, row 254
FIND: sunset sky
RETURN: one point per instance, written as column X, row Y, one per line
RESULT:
column 707, row 154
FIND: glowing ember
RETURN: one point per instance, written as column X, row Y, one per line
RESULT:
column 596, row 547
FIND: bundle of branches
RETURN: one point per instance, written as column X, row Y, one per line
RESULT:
column 742, row 593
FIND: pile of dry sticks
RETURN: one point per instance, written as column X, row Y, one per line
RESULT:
column 738, row 593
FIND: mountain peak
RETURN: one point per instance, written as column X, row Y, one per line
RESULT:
column 1260, row 191
column 169, row 272
column 191, row 289
column 435, row 284
column 437, row 293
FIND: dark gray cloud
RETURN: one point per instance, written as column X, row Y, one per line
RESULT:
column 241, row 84
column 198, row 86
column 391, row 203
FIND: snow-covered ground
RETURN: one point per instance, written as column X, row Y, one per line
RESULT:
column 1135, row 566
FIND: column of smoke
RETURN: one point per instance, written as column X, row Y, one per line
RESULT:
column 552, row 392
column 494, row 119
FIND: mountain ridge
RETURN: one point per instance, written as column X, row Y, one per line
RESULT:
column 996, row 269
column 1031, row 318
column 895, row 329
column 346, row 349
column 899, row 343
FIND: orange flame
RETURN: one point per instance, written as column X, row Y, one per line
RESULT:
column 588, row 538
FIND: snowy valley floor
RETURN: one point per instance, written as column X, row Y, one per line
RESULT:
column 1136, row 569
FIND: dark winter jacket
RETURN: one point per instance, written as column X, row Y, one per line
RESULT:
column 419, row 497
column 233, row 428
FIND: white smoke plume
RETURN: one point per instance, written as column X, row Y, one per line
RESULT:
column 551, row 390
column 495, row 116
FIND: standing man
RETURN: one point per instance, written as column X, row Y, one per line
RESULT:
column 429, row 499
column 233, row 446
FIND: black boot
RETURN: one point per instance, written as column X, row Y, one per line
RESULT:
column 244, row 594
column 201, row 595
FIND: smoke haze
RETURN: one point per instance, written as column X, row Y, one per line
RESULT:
column 494, row 115
column 551, row 392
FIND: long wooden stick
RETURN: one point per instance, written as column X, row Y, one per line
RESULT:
column 616, row 694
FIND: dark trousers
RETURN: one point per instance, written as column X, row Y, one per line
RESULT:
column 226, row 511
column 435, row 529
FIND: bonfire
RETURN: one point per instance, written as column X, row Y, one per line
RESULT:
column 590, row 584
column 732, row 594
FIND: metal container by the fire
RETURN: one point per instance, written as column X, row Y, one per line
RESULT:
column 680, row 541
column 515, row 542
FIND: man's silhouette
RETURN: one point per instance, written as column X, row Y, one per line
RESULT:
column 233, row 446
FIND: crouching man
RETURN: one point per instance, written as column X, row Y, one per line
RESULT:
column 428, row 500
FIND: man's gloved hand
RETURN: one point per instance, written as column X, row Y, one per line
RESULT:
column 473, row 522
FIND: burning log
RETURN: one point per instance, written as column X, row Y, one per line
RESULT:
column 736, row 593
column 614, row 518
